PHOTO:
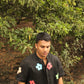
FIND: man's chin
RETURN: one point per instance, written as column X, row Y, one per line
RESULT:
column 44, row 55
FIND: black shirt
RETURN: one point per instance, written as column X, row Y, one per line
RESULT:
column 32, row 70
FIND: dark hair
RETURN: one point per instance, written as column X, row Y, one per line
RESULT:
column 43, row 36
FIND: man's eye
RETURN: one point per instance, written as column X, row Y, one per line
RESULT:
column 42, row 46
column 48, row 46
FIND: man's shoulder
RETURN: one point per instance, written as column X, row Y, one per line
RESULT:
column 28, row 58
column 53, row 57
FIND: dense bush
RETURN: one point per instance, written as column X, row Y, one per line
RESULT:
column 18, row 38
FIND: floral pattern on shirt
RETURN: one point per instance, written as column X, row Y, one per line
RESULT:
column 57, row 76
column 39, row 66
column 32, row 82
column 49, row 66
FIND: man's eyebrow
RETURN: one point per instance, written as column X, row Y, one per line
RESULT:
column 42, row 45
column 45, row 46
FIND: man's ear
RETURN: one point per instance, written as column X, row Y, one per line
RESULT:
column 36, row 45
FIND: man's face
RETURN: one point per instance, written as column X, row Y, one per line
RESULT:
column 42, row 48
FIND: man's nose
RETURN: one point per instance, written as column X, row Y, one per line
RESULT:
column 45, row 49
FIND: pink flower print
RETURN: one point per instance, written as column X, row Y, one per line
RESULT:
column 49, row 66
column 32, row 82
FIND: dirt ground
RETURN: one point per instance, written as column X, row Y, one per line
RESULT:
column 9, row 63
column 78, row 72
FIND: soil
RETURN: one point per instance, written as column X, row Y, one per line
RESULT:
column 9, row 62
column 78, row 72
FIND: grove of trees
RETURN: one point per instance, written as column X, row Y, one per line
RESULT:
column 62, row 19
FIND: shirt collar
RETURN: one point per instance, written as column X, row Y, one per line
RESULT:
column 41, row 59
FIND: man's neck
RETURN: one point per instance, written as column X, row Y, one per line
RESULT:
column 43, row 58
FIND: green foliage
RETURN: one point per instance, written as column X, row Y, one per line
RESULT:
column 68, row 82
column 78, row 29
column 18, row 38
column 70, row 55
column 53, row 26
column 21, row 39
column 5, row 23
column 60, row 19
column 57, row 17
column 14, row 9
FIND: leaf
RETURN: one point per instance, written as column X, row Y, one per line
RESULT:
column 29, row 37
column 10, row 37
column 14, row 1
column 7, row 1
column 1, row 24
column 74, row 3
column 69, row 1
column 24, row 49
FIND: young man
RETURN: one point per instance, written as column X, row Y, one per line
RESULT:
column 41, row 67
